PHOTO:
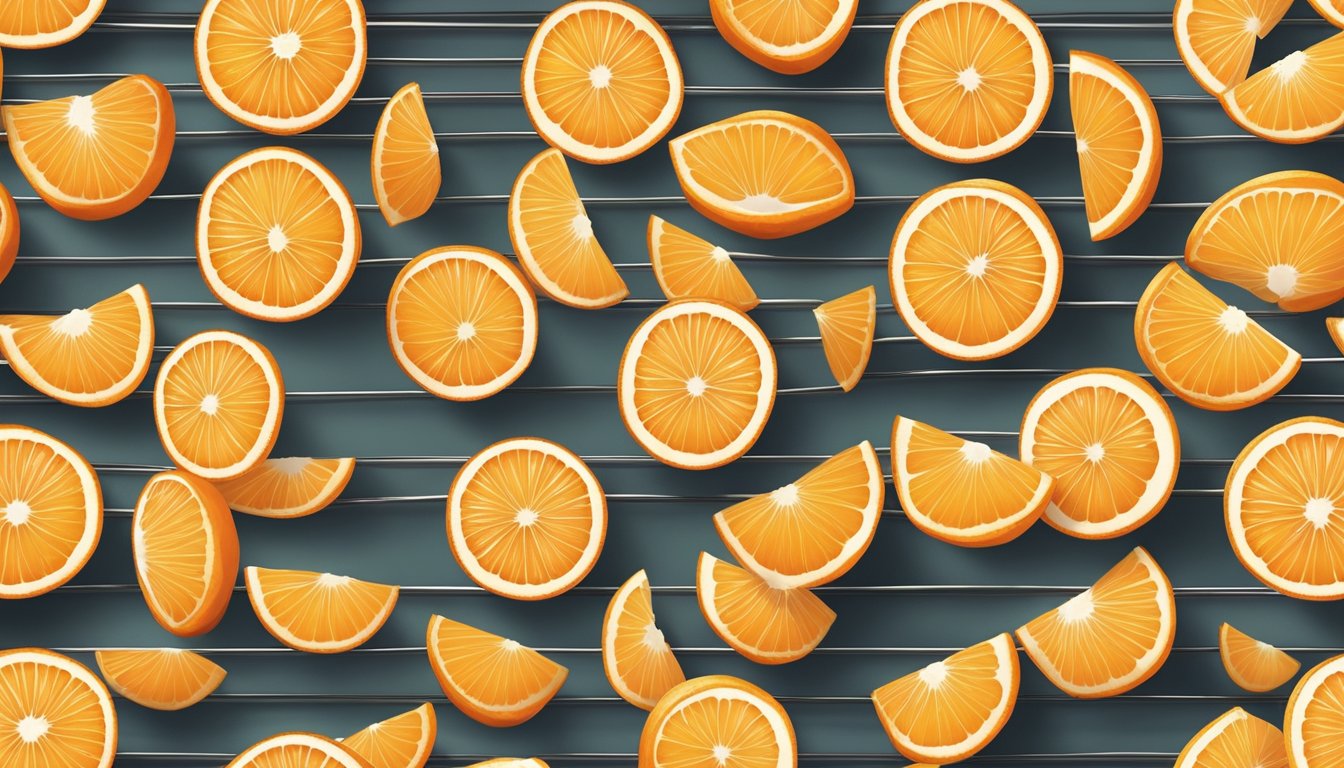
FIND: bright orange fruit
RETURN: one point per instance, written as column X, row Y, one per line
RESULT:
column 54, row 712
column 167, row 679
column 318, row 612
column 404, row 741
column 765, row 623
column 46, row 23
column 635, row 656
column 717, row 720
column 788, row 36
column 298, row 750
column 493, row 680
column 290, row 487
column 847, row 325
column 1315, row 718
column 1217, row 37
column 404, row 164
column 1235, row 738
column 1254, row 665
column 1330, row 10
column 689, row 267
column 9, row 230
column 1296, row 99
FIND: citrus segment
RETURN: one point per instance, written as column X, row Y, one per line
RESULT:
column 167, row 679
column 718, row 720
column 788, row 36
column 1335, row 326
column 298, row 750
column 1330, row 10
column 1235, row 738
column 1216, row 38
column 1254, row 665
column 847, row 325
column 765, row 623
column 405, row 161
column 1294, row 100
column 404, row 741
column 689, row 267
column 1314, row 723
column 9, row 232
column 493, row 680
column 318, row 612
column 635, row 656
column 289, row 487
column 46, row 23
column 54, row 712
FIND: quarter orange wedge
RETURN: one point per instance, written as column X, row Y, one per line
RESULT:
column 1295, row 100
column 765, row 623
column 44, row 23
column 1235, row 738
column 689, row 267
column 54, row 712
column 290, row 487
column 1254, row 665
column 637, row 660
column 1330, row 10
column 9, row 232
column 788, row 36
column 167, row 679
column 717, row 720
column 318, row 612
column 404, row 741
column 1216, row 38
column 404, row 164
column 1315, row 717
column 493, row 680
column 847, row 325
column 298, row 750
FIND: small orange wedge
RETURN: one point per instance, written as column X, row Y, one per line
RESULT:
column 1254, row 665
column 318, row 612
column 1330, row 10
column 1235, row 738
column 298, row 750
column 788, row 36
column 404, row 741
column 290, row 487
column 767, row 624
column 635, row 656
column 43, row 23
column 689, row 267
column 9, row 232
column 1295, row 100
column 493, row 680
column 718, row 720
column 847, row 325
column 404, row 164
column 1315, row 717
column 1216, row 38
column 166, row 679
column 54, row 712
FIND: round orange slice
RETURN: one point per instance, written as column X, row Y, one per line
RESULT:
column 813, row 530
column 1235, row 738
column 404, row 741
column 1315, row 716
column 1254, row 665
column 166, row 679
column 9, row 231
column 797, row 178
column 967, row 80
column 696, row 384
column 298, row 750
column 318, row 612
column 789, row 37
column 689, row 267
column 282, row 72
column 51, row 512
column 462, row 322
column 54, row 712
column 951, row 709
column 1330, row 10
column 765, row 623
column 493, row 680
column 1216, row 38
column 717, row 720
column 975, row 269
column 1296, row 99
column 290, row 487
column 636, row 658
column 95, row 157
column 1110, row 638
column 44, row 24
column 847, row 325
column 404, row 164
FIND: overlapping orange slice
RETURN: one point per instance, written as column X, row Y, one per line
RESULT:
column 717, row 720
column 1216, row 38
column 765, row 623
column 1295, row 100
column 493, row 680
column 1315, row 717
column 789, row 37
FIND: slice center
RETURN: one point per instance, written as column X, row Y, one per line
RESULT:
column 510, row 645
column 653, row 638
column 286, row 45
column 1282, row 280
column 934, row 674
column 74, row 323
column 583, row 227
column 276, row 239
column 719, row 254
column 1082, row 146
column 978, row 265
column 293, row 465
column 1253, row 25
column 1077, row 609
column 1233, row 320
column 969, row 79
column 466, row 331
column 32, row 728
column 1318, row 511
column 721, row 754
column 210, row 405
column 785, row 496
column 1094, row 452
column 17, row 512
column 974, row 453
column 331, row 580
column 600, row 76
column 696, row 386
column 1287, row 68
column 763, row 203
column 526, row 517
column 80, row 116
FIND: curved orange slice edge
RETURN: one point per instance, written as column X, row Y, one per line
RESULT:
column 404, row 741
column 789, row 38
column 9, row 230
column 1235, row 738
column 289, row 487
column 1315, row 716
column 1296, row 99
column 637, row 660
column 717, row 714
column 297, row 749
column 404, row 164
column 689, row 267
column 847, row 325
column 166, row 679
column 318, row 612
column 493, row 680
column 56, row 712
column 1254, row 665
column 767, row 624
column 1216, row 38
column 44, row 24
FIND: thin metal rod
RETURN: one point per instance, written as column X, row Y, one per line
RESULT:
column 690, row 650
column 440, row 590
column 399, row 261
column 411, row 699
column 819, row 758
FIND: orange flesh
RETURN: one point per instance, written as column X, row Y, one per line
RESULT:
column 1248, row 740
column 224, row 371
column 689, row 267
column 37, row 485
column 784, row 23
column 779, row 624
column 403, row 741
column 700, row 716
column 493, row 680
column 77, row 729
column 1222, row 38
column 1253, row 665
column 641, row 656
column 407, row 161
column 320, row 609
column 846, row 325
column 1105, row 122
column 161, row 678
column 1301, row 92
column 1322, row 738
column 274, row 486
column 41, row 17
column 182, row 533
column 764, row 168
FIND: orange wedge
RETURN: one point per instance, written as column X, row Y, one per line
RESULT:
column 167, row 679
column 290, row 487
column 635, row 656
column 54, row 712
column 967, row 80
column 318, row 612
column 9, row 231
column 462, row 322
column 284, row 71
column 789, row 37
column 99, row 156
column 1111, row 444
column 51, row 512
column 1217, row 37
column 1315, row 717
column 43, row 23
column 696, row 384
column 717, row 720
column 765, row 623
column 601, row 81
column 813, row 530
column 1254, row 665
column 404, row 741
column 298, row 750
column 1296, row 99
column 1109, row 638
column 961, row 492
column 404, row 164
column 688, row 267
column 975, row 269
column 1235, row 738
column 493, row 680
column 185, row 548
column 553, row 237
column 951, row 709
column 1330, row 10
column 847, row 325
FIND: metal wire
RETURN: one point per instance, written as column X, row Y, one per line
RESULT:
column 441, row 590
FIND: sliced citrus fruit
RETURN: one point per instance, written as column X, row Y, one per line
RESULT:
column 696, row 384
column 493, row 680
column 404, row 741
column 601, row 81
column 297, row 750
column 98, row 156
column 813, row 530
column 51, row 512
column 717, row 720
column 1109, row 638
column 765, row 623
column 9, row 232
column 218, row 402
column 967, row 80
column 637, row 660
column 284, row 70
column 1315, row 717
column 787, row 36
column 975, row 269
column 1217, row 37
column 511, row 762
column 689, row 267
column 168, row 679
column 1111, row 444
column 318, row 612
column 405, row 161
column 1235, row 738
column 553, row 237
column 1330, row 10
column 1252, row 664
column 43, row 23
column 1295, row 99
column 847, row 325
column 185, row 548
column 1335, row 326
column 1278, row 236
column 290, row 487
column 54, row 712
column 960, row 491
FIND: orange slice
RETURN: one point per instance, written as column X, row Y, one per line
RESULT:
column 553, row 237
column 185, row 548
column 298, row 750
column 766, row 174
column 635, row 656
column 717, row 720
column 43, row 23
column 1330, row 10
column 1235, row 738
column 1111, row 444
column 847, row 325
column 89, row 357
column 54, row 712
column 967, row 80
column 1335, row 326
column 493, row 680
column 813, row 530
column 975, row 269
column 951, row 709
column 511, row 762
column 290, row 487
column 404, row 741
column 696, row 384
column 98, row 156
column 462, row 322
column 765, row 623
column 789, row 37
column 51, row 512
column 167, row 679
column 1296, row 99
column 405, row 161
column 961, row 492
column 318, row 612
column 9, row 231
column 1216, row 38
column 284, row 71
column 1109, row 638
column 1315, row 717
column 688, row 267
column 601, row 81
column 1254, row 665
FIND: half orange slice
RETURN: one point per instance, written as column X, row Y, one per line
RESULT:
column 1295, row 100
column 689, row 267
column 765, row 623
column 54, row 712
column 318, row 612
column 1252, row 664
column 791, row 37
column 404, row 741
column 9, row 230
column 717, row 720
column 1235, row 738
column 847, row 325
column 637, row 660
column 404, row 164
column 167, row 679
column 44, row 24
column 493, row 680
column 290, row 487
column 1216, row 38
column 298, row 750
column 1315, row 716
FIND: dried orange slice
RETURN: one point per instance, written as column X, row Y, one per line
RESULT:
column 405, row 161
column 89, row 357
column 289, row 487
column 51, row 512
column 1109, row 638
column 1296, row 99
column 553, row 237
column 696, row 384
column 975, row 269
column 185, row 548
column 54, row 712
column 493, row 680
column 789, row 37
column 462, row 322
column 967, row 80
column 951, row 709
column 1330, row 10
column 1315, row 716
column 813, row 530
column 847, row 325
column 717, row 720
column 298, row 750
column 765, row 623
column 1235, row 738
column 1216, row 38
column 43, row 23
column 318, row 612
column 404, row 741
column 284, row 71
column 689, row 267
column 637, row 660
column 99, row 156
column 9, row 231
column 1254, row 665
column 601, row 81
column 960, row 491
column 167, row 679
